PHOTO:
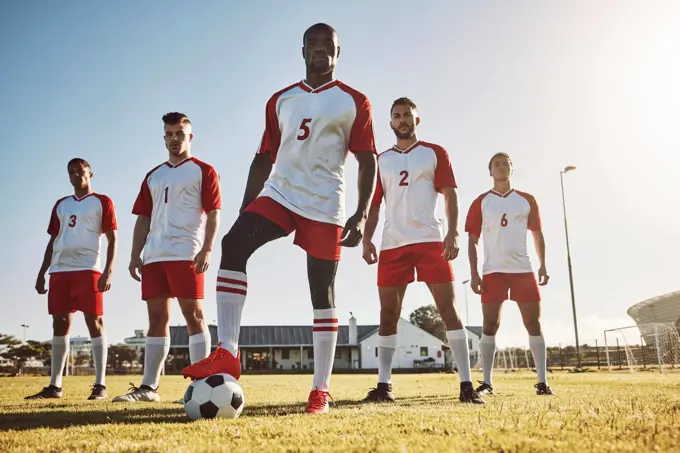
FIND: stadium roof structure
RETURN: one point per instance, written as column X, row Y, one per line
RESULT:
column 663, row 309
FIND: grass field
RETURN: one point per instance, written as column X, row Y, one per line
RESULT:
column 595, row 412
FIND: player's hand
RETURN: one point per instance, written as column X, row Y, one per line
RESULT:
column 543, row 276
column 201, row 261
column 135, row 268
column 476, row 284
column 450, row 246
column 40, row 284
column 353, row 231
column 104, row 283
column 370, row 253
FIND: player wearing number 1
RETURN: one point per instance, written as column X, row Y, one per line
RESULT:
column 76, row 283
column 410, row 177
column 177, row 210
column 309, row 128
column 502, row 217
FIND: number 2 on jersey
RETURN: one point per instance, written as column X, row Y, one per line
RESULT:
column 504, row 220
column 404, row 175
column 72, row 221
column 304, row 129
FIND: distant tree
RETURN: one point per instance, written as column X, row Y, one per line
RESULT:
column 428, row 319
column 120, row 355
column 82, row 358
column 8, row 341
column 22, row 353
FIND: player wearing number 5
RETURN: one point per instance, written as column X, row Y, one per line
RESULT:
column 177, row 211
column 502, row 217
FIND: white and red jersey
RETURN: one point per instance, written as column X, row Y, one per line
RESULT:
column 410, row 181
column 176, row 198
column 502, row 221
column 76, row 224
column 307, row 134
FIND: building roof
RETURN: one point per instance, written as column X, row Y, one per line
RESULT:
column 272, row 335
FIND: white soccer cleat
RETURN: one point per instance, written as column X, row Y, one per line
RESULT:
column 141, row 393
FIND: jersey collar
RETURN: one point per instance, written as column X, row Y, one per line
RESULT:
column 407, row 150
column 82, row 198
column 502, row 195
column 179, row 163
column 326, row 86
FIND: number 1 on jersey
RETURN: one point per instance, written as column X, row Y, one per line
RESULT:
column 304, row 129
column 165, row 192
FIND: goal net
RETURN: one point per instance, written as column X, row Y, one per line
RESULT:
column 654, row 344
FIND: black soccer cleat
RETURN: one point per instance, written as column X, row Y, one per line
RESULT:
column 98, row 392
column 381, row 394
column 484, row 389
column 469, row 395
column 543, row 389
column 48, row 392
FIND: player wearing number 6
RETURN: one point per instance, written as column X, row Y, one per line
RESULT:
column 309, row 128
column 177, row 210
column 502, row 217
column 410, row 177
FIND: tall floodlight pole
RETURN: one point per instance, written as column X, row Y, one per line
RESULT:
column 571, row 277
column 467, row 312
column 25, row 326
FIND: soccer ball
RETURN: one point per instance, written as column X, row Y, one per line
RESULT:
column 219, row 395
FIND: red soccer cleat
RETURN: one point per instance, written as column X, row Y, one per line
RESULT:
column 318, row 402
column 220, row 361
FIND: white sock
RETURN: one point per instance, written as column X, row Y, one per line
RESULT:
column 60, row 350
column 387, row 345
column 155, row 353
column 231, row 296
column 487, row 347
column 537, row 346
column 325, row 337
column 100, row 353
column 199, row 346
column 458, row 341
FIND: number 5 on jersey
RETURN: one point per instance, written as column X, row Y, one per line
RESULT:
column 304, row 129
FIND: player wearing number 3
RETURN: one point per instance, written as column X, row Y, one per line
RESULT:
column 503, row 215
column 177, row 210
column 309, row 128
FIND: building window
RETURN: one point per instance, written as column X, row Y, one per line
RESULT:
column 310, row 353
column 423, row 351
column 285, row 354
column 338, row 353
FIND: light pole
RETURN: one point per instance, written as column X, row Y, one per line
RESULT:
column 467, row 312
column 571, row 277
column 25, row 326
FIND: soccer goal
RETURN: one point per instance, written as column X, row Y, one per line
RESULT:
column 633, row 347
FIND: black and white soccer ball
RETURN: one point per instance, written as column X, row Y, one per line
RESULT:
column 217, row 396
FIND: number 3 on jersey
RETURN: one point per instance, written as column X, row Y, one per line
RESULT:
column 304, row 129
column 72, row 221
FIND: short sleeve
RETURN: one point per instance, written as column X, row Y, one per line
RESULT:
column 473, row 222
column 379, row 192
column 210, row 189
column 109, row 222
column 271, row 139
column 361, row 138
column 534, row 222
column 55, row 225
column 144, row 202
column 443, row 172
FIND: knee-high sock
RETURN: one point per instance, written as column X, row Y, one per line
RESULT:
column 387, row 345
column 232, row 287
column 60, row 350
column 325, row 338
column 155, row 353
column 487, row 347
column 100, row 353
column 537, row 346
column 199, row 346
column 458, row 341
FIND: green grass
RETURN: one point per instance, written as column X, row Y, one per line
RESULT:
column 595, row 412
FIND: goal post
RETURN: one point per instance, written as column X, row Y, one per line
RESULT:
column 656, row 344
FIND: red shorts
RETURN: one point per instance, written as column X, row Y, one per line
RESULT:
column 69, row 292
column 319, row 239
column 172, row 279
column 499, row 287
column 396, row 266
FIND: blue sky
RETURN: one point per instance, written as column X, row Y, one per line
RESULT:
column 590, row 84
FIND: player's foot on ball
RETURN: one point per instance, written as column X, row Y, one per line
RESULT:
column 220, row 361
column 318, row 402
column 381, row 394
column 141, row 393
column 484, row 389
column 48, row 392
column 98, row 392
column 469, row 395
column 543, row 389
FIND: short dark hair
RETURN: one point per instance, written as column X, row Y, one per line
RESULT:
column 319, row 26
column 499, row 155
column 78, row 160
column 403, row 101
column 173, row 118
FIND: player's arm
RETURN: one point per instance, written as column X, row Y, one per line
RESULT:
column 539, row 244
column 370, row 253
column 260, row 169
column 451, row 248
column 475, row 279
column 141, row 231
column 111, row 250
column 47, row 261
column 354, row 228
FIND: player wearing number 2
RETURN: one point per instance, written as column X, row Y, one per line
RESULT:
column 309, row 128
column 502, row 217
column 177, row 211
column 410, row 177
column 76, row 283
